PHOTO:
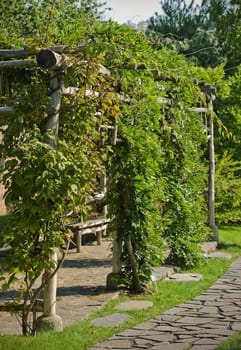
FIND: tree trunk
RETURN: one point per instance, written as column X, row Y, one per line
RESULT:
column 136, row 280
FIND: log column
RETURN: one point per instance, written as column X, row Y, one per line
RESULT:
column 211, row 185
column 54, row 62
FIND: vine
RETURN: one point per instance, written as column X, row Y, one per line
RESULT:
column 156, row 168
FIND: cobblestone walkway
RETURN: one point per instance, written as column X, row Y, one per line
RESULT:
column 199, row 324
column 81, row 287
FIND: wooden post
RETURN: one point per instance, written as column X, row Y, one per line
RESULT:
column 78, row 240
column 116, row 257
column 112, row 280
column 211, row 187
column 53, row 116
column 103, row 189
column 50, row 291
column 53, row 126
column 99, row 236
column 48, row 59
column 3, row 207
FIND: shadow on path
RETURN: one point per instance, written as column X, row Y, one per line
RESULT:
column 86, row 263
column 80, row 290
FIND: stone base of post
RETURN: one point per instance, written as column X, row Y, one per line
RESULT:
column 49, row 323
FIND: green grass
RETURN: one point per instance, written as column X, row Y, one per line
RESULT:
column 232, row 343
column 83, row 335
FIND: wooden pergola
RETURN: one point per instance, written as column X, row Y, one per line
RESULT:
column 53, row 60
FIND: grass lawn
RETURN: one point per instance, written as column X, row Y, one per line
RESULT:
column 83, row 335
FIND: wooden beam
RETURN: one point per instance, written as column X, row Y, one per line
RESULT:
column 164, row 101
column 199, row 109
column 16, row 63
column 158, row 75
column 68, row 50
column 6, row 110
column 209, row 89
column 22, row 53
column 49, row 59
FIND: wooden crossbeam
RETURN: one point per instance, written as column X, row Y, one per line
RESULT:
column 22, row 53
column 16, row 63
column 158, row 75
column 5, row 110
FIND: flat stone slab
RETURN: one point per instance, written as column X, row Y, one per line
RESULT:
column 185, row 277
column 162, row 272
column 177, row 346
column 218, row 255
column 134, row 305
column 208, row 247
column 110, row 321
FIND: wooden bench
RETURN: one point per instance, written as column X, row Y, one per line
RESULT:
column 96, row 226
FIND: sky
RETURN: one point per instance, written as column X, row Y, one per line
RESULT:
column 134, row 10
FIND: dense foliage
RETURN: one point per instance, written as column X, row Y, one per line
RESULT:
column 45, row 185
column 157, row 170
column 208, row 34
column 228, row 151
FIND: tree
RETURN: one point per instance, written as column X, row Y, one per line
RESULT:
column 226, row 17
column 179, row 21
column 189, row 29
column 203, row 49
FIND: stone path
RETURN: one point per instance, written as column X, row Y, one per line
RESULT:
column 81, row 286
column 199, row 324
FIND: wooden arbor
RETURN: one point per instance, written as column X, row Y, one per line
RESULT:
column 52, row 59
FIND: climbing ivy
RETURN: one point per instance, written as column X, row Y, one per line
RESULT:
column 46, row 188
column 157, row 171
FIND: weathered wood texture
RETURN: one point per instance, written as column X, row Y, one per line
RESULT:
column 3, row 208
column 96, row 226
column 211, row 182
column 22, row 53
column 5, row 110
column 16, row 63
